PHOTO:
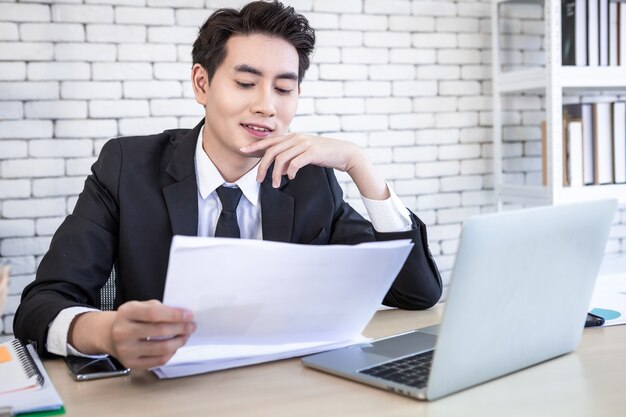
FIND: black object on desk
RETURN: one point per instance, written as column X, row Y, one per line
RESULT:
column 593, row 320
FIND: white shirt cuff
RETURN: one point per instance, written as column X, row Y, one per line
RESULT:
column 388, row 215
column 56, row 341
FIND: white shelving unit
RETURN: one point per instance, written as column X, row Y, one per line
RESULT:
column 552, row 81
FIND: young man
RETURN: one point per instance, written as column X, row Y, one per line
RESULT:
column 247, row 70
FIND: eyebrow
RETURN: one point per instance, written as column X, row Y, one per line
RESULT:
column 255, row 71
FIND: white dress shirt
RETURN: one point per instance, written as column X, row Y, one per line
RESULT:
column 388, row 215
column 209, row 205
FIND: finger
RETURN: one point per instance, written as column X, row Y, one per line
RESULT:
column 300, row 161
column 142, row 353
column 283, row 161
column 154, row 311
column 270, row 155
column 263, row 144
column 147, row 362
column 162, row 331
column 159, row 348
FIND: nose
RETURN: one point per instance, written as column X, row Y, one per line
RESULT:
column 263, row 104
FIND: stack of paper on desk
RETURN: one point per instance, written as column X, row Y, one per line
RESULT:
column 256, row 301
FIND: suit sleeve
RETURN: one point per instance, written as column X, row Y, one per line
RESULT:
column 81, row 253
column 418, row 284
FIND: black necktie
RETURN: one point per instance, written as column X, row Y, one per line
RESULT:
column 227, row 223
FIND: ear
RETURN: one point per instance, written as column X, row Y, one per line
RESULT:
column 200, row 83
column 299, row 90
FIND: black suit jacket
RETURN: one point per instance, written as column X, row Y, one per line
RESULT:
column 143, row 190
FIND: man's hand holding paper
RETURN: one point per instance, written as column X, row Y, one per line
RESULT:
column 272, row 300
column 140, row 334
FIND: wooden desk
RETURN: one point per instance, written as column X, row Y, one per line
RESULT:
column 588, row 382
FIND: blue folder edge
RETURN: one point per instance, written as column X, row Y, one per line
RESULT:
column 44, row 413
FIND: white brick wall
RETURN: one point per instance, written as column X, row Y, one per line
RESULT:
column 24, row 12
column 25, row 51
column 121, row 71
column 91, row 90
column 146, row 52
column 55, row 32
column 82, row 13
column 409, row 80
column 90, row 52
column 115, row 33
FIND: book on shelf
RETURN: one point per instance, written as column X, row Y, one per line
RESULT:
column 603, row 31
column 613, row 33
column 593, row 40
column 544, row 154
column 572, row 146
column 584, row 113
column 588, row 148
column 574, row 32
column 603, row 143
column 564, row 147
column 619, row 141
column 575, row 153
column 621, row 33
column 592, row 32
column 572, row 151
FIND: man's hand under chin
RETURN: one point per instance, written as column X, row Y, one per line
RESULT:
column 293, row 151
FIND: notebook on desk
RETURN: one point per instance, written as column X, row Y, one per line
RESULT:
column 24, row 384
column 519, row 292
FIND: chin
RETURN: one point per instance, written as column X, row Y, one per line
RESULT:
column 258, row 154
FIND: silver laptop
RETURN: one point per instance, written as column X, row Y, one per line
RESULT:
column 519, row 293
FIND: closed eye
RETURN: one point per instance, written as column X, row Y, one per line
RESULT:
column 244, row 85
column 283, row 91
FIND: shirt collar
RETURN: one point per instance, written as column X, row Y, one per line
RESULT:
column 209, row 178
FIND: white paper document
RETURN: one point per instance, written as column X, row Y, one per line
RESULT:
column 256, row 301
column 609, row 299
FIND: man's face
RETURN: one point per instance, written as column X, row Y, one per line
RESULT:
column 253, row 95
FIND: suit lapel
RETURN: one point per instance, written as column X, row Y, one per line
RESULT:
column 180, row 189
column 277, row 210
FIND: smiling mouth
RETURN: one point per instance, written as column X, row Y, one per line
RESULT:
column 257, row 128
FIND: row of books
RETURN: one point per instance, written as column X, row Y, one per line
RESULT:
column 594, row 144
column 593, row 32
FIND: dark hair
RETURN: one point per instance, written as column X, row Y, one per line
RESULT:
column 271, row 18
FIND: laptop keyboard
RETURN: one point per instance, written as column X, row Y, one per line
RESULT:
column 411, row 370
